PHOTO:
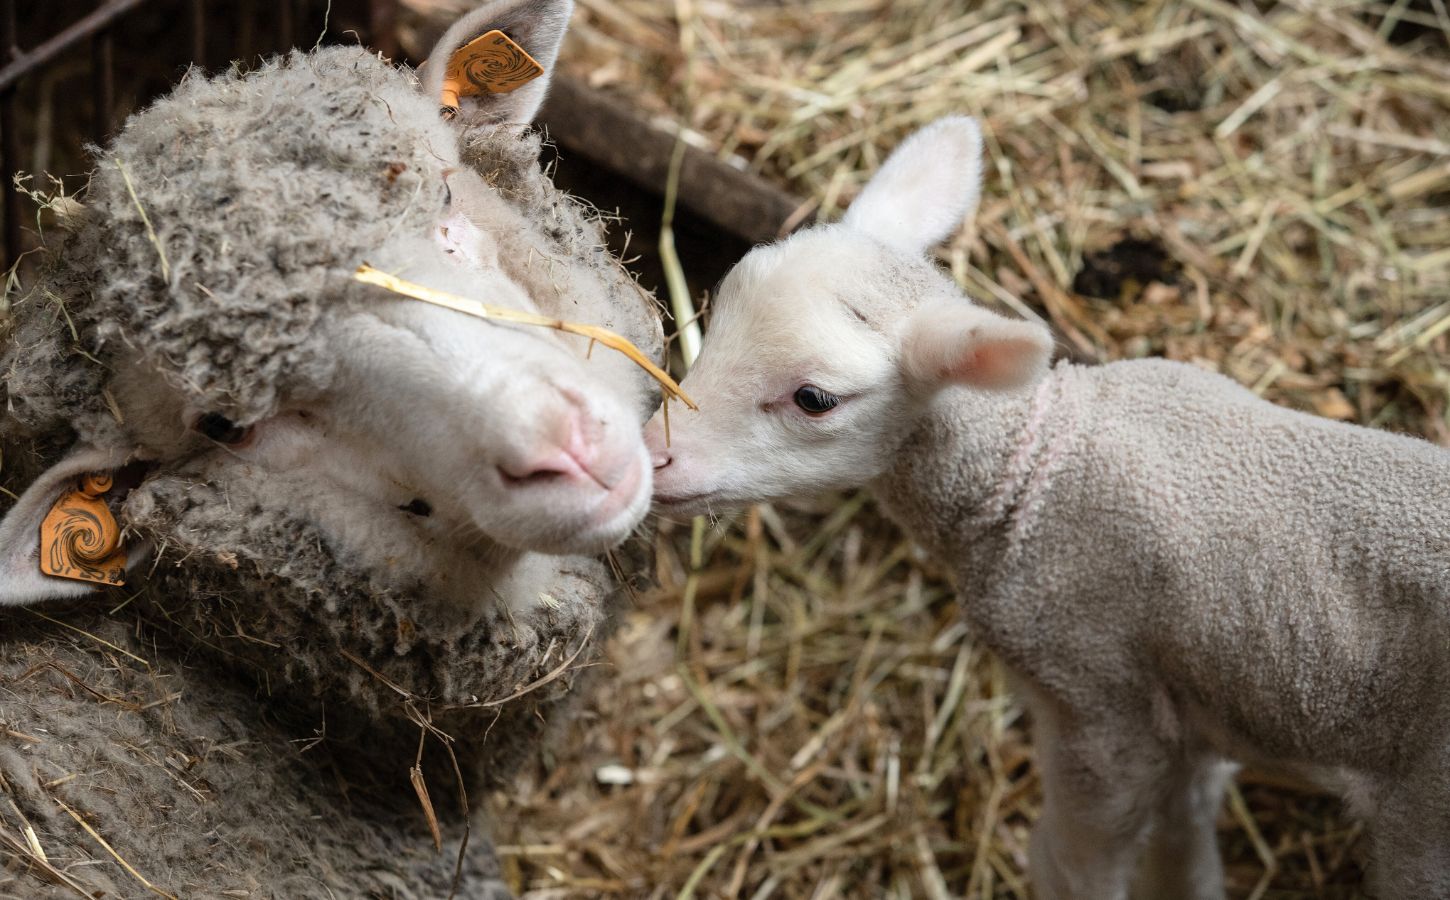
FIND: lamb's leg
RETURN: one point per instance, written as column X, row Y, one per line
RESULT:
column 1182, row 861
column 1102, row 782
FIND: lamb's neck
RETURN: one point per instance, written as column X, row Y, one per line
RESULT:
column 959, row 475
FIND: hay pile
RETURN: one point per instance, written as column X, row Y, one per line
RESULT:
column 1259, row 188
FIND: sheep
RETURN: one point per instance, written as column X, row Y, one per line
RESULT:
column 1178, row 573
column 353, row 520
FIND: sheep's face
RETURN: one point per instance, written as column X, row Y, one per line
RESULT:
column 491, row 430
column 484, row 430
column 220, row 236
column 500, row 430
column 824, row 349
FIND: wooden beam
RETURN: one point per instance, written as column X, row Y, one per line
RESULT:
column 612, row 135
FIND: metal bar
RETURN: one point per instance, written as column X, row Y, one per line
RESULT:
column 103, row 84
column 9, row 140
column 198, row 33
column 24, row 63
column 383, row 27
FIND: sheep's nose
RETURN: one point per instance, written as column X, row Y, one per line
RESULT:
column 572, row 455
column 660, row 459
column 555, row 466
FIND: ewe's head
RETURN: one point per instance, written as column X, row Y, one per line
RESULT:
column 824, row 348
column 221, row 337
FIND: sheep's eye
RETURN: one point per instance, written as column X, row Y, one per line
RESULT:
column 217, row 427
column 814, row 400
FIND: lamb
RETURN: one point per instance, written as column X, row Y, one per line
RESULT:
column 1177, row 572
column 378, row 515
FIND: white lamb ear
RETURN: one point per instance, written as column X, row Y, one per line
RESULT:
column 21, row 581
column 926, row 188
column 537, row 26
column 958, row 343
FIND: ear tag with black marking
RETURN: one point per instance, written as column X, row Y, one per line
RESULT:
column 79, row 538
column 490, row 64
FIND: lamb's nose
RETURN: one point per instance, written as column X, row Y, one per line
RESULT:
column 660, row 459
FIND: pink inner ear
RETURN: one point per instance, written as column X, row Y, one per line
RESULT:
column 991, row 363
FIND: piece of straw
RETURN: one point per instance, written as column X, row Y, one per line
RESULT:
column 369, row 275
column 145, row 220
column 112, row 850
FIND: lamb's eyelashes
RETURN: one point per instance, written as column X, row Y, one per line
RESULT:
column 815, row 401
column 810, row 402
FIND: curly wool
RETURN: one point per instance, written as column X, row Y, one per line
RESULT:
column 195, row 790
column 245, row 578
column 228, row 290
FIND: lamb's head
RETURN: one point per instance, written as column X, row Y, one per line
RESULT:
column 202, row 318
column 823, row 349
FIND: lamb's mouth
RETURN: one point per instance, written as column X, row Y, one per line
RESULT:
column 676, row 503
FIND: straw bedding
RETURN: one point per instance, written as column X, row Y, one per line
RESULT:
column 1257, row 188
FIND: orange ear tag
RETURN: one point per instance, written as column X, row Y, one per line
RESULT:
column 491, row 64
column 79, row 538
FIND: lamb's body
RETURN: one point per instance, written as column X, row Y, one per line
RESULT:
column 1281, row 580
column 1179, row 572
column 1177, row 568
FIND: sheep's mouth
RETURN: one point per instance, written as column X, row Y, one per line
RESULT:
column 621, row 509
column 564, row 513
column 614, row 498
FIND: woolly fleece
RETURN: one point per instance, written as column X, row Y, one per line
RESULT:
column 1166, row 559
column 265, row 190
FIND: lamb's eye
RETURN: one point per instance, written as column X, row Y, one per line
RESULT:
column 814, row 400
column 217, row 427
